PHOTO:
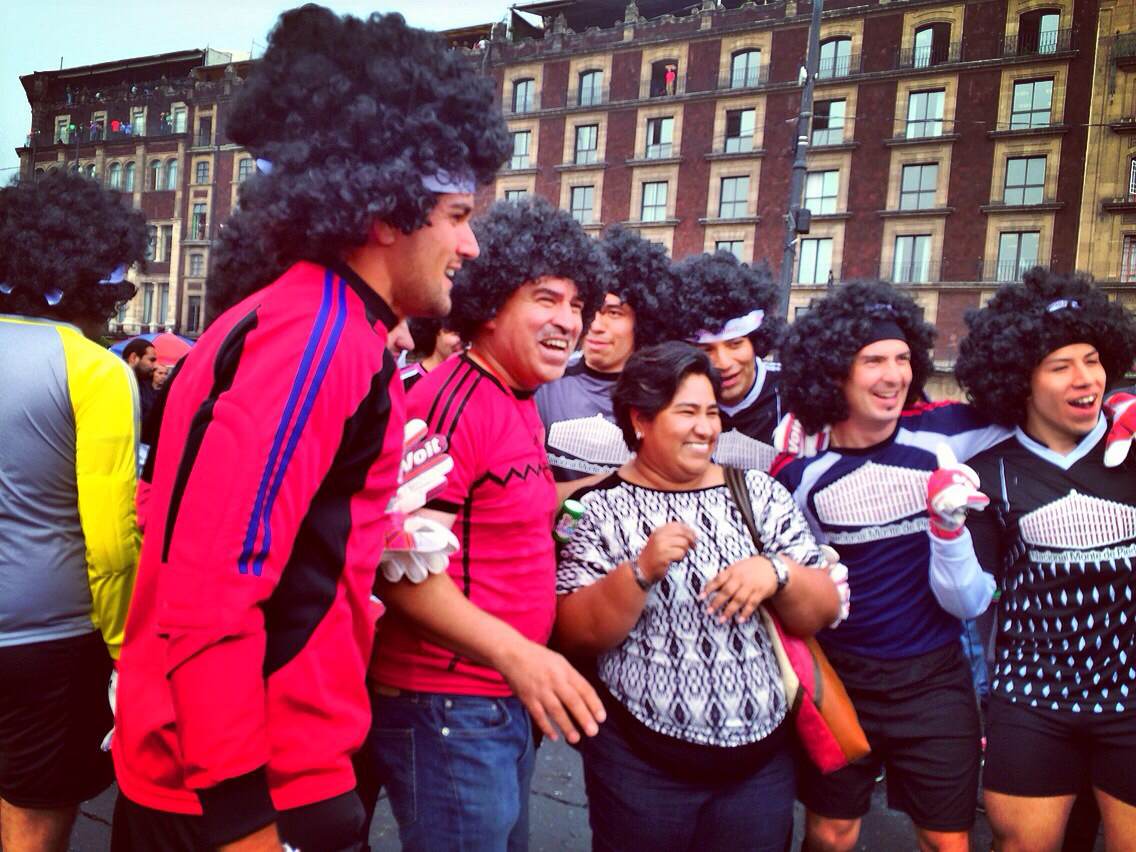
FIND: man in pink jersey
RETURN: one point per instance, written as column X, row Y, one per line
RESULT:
column 462, row 661
column 242, row 693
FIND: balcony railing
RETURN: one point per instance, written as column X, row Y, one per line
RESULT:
column 658, row 89
column 197, row 229
column 1037, row 43
column 916, row 271
column 1005, row 271
column 733, row 144
column 840, row 66
column 659, row 151
column 522, row 106
column 925, row 57
column 588, row 97
column 747, row 78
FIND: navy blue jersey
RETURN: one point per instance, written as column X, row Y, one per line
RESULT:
column 1060, row 536
column 870, row 504
column 747, row 428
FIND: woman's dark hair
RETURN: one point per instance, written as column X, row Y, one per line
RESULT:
column 424, row 333
column 522, row 241
column 641, row 277
column 714, row 289
column 351, row 114
column 818, row 351
column 64, row 232
column 651, row 378
column 1025, row 322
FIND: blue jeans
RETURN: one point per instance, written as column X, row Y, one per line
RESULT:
column 634, row 805
column 457, row 769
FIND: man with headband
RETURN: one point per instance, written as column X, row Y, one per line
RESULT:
column 68, row 541
column 729, row 310
column 855, row 361
column 1057, row 537
column 242, row 693
column 581, row 436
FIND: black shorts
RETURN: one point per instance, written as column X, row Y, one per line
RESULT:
column 921, row 718
column 1032, row 751
column 54, row 714
column 333, row 825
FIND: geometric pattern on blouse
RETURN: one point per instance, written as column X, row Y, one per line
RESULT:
column 873, row 494
column 679, row 671
column 1079, row 521
column 739, row 450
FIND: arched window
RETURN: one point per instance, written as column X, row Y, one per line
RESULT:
column 74, row 169
column 1039, row 31
column 128, row 177
column 932, row 45
column 154, row 174
column 835, row 57
column 91, row 173
column 114, row 176
column 524, row 95
column 39, row 172
column 591, row 87
column 745, row 68
column 171, row 174
column 664, row 78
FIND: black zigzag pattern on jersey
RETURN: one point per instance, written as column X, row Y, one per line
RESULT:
column 512, row 473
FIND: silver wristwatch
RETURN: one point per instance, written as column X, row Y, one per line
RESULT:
column 781, row 569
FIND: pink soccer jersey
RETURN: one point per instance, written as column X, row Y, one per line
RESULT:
column 502, row 493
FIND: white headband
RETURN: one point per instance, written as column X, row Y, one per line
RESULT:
column 442, row 182
column 737, row 327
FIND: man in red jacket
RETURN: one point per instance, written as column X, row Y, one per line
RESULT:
column 241, row 691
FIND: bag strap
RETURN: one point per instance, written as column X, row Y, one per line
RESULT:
column 739, row 490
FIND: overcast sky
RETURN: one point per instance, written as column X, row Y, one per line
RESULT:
column 36, row 34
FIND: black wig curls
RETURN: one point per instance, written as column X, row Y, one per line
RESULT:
column 715, row 288
column 1022, row 324
column 818, row 351
column 351, row 114
column 641, row 277
column 63, row 232
column 520, row 242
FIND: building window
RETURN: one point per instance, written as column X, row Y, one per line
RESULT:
column 1025, row 180
column 664, row 78
column 815, row 266
column 1039, row 31
column 580, row 203
column 515, row 194
column 92, row 173
column 745, row 69
column 660, row 134
column 163, row 303
column 138, row 121
column 178, row 116
column 114, row 176
column 734, row 247
column 62, row 129
column 196, row 265
column 198, row 223
column 587, row 142
column 1132, row 178
column 167, row 247
column 147, row 304
column 193, row 314
column 835, row 58
column 932, row 45
column 1031, row 105
column 244, row 169
column 154, row 175
column 911, row 263
column 151, row 241
column 821, row 189
column 523, row 95
column 925, row 114
column 654, row 208
column 1017, row 252
column 201, row 172
column 733, row 199
column 828, row 122
column 520, row 158
column 739, row 130
column 1128, row 259
column 171, row 174
column 205, row 130
column 590, row 88
column 128, row 177
column 917, row 186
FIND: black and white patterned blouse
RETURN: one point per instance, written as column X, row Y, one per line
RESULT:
column 679, row 671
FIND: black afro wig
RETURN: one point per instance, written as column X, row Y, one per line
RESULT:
column 63, row 232
column 520, row 242
column 1022, row 324
column 818, row 351
column 351, row 114
column 715, row 288
column 641, row 277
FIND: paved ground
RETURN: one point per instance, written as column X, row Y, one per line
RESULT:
column 559, row 816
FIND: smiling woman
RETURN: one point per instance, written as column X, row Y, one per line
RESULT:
column 661, row 583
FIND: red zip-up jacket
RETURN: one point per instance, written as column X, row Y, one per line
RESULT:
column 241, row 682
